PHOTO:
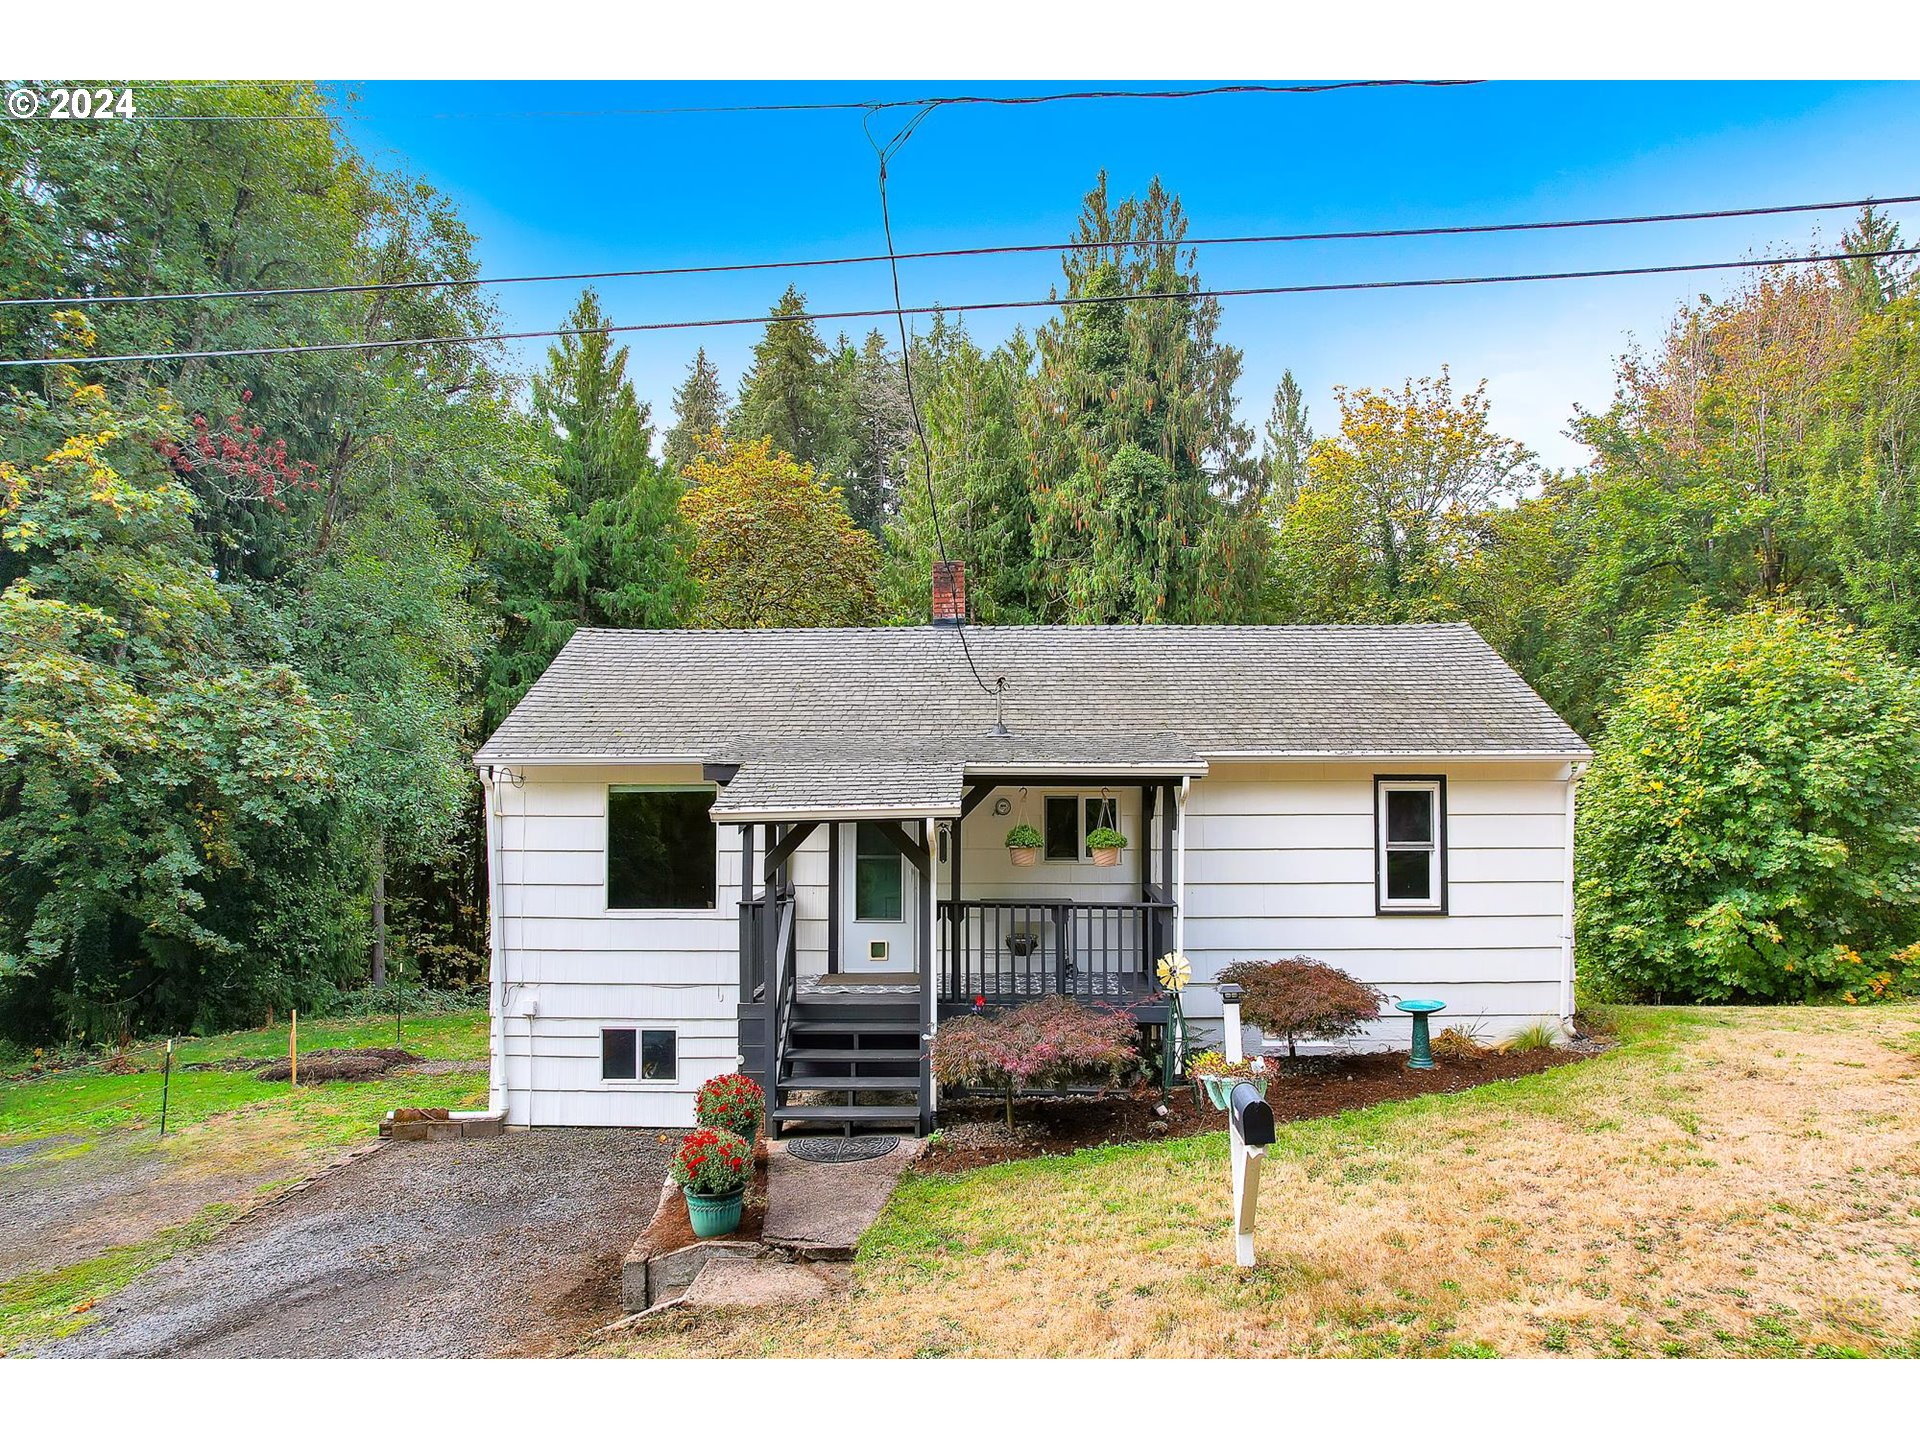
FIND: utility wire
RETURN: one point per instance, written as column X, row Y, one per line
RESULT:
column 1764, row 262
column 885, row 153
column 818, row 106
column 968, row 252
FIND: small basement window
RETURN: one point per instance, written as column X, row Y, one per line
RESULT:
column 639, row 1055
column 1410, row 817
column 662, row 849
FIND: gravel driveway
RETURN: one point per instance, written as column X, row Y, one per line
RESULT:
column 509, row 1246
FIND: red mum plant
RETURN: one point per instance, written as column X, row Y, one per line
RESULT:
column 1045, row 1045
column 731, row 1102
column 712, row 1162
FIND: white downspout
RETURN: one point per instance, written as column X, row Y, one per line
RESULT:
column 1574, row 772
column 496, row 950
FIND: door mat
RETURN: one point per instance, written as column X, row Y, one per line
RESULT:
column 838, row 1150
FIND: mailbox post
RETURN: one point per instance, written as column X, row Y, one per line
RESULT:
column 1250, row 1131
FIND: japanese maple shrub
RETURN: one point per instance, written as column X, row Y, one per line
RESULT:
column 1050, row 1043
column 712, row 1162
column 1750, row 827
column 1302, row 999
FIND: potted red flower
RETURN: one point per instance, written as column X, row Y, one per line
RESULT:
column 711, row 1169
column 732, row 1102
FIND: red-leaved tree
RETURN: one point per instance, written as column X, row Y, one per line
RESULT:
column 237, row 462
column 1050, row 1043
column 1302, row 998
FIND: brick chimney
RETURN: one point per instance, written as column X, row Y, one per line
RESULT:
column 949, row 592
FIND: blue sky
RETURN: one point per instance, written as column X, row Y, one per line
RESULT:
column 587, row 192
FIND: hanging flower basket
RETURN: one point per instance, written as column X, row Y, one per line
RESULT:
column 1023, row 845
column 1106, row 844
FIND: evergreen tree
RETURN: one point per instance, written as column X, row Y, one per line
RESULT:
column 874, row 429
column 1874, row 283
column 618, row 556
column 1152, row 378
column 982, row 476
column 699, row 408
column 785, row 394
column 1288, row 438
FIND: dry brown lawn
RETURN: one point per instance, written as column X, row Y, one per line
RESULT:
column 1725, row 1182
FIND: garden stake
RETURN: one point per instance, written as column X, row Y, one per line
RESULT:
column 166, row 1082
column 293, row 1051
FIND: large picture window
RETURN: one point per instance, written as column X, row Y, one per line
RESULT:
column 1410, row 838
column 662, row 849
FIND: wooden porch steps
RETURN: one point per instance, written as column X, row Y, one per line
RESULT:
column 910, row 1114
column 888, row 1055
column 858, row 1057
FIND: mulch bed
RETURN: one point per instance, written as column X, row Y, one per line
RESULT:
column 319, row 1066
column 974, row 1133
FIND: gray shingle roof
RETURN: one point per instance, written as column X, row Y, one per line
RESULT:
column 842, row 715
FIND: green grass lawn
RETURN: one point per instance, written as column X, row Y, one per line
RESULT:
column 89, row 1098
column 1722, row 1183
column 110, row 1198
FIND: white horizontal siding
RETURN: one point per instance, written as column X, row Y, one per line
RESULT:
column 584, row 968
column 1280, row 861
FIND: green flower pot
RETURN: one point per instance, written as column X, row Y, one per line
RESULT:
column 1220, row 1087
column 748, row 1132
column 713, row 1215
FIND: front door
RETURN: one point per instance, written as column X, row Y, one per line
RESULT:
column 878, row 929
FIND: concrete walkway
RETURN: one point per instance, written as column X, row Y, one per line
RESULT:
column 820, row 1212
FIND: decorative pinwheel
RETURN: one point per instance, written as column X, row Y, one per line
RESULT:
column 1174, row 972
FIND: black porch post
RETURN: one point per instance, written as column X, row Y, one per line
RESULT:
column 769, row 936
column 833, row 896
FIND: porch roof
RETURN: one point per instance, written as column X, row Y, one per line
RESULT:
column 875, row 786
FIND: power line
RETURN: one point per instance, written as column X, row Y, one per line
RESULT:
column 825, row 106
column 979, row 307
column 972, row 252
column 885, row 153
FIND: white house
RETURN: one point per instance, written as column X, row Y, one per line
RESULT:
column 1393, row 800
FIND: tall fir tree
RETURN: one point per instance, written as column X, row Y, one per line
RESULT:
column 618, row 554
column 1286, row 439
column 1153, row 382
column 699, row 408
column 785, row 394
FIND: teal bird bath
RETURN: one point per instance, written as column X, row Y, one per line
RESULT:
column 1422, row 1057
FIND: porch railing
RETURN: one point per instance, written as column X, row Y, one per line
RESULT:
column 1006, row 951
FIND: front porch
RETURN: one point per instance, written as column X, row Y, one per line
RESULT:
column 846, row 1045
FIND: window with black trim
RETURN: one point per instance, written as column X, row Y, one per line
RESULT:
column 639, row 1054
column 662, row 849
column 1063, row 827
column 1071, row 818
column 1410, row 831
